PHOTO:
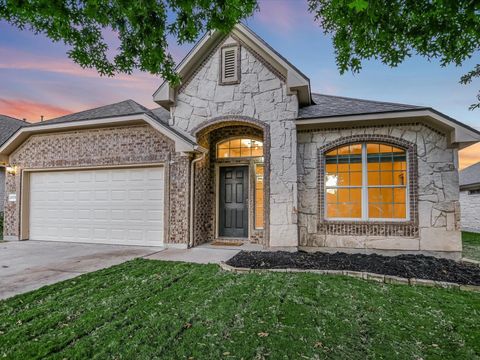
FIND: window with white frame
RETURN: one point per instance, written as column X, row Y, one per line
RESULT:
column 229, row 72
column 366, row 182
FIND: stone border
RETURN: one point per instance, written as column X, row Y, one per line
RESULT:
column 387, row 279
column 470, row 261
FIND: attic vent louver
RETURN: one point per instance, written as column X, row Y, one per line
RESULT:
column 229, row 72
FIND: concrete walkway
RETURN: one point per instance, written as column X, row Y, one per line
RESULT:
column 203, row 254
column 29, row 265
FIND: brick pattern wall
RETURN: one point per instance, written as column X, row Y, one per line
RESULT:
column 434, row 194
column 470, row 211
column 126, row 145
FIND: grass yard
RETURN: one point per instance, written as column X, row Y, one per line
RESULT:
column 146, row 309
column 471, row 245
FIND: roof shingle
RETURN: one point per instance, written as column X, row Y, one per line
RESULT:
column 329, row 105
column 9, row 126
column 123, row 108
column 470, row 175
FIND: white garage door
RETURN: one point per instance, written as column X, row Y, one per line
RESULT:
column 111, row 206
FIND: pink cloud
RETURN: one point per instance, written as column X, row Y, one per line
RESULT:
column 20, row 60
column 30, row 110
column 284, row 15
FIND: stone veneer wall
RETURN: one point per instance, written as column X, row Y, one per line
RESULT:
column 470, row 211
column 261, row 95
column 434, row 224
column 125, row 145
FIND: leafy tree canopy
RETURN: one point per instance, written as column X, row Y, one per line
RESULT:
column 142, row 28
column 388, row 30
column 392, row 30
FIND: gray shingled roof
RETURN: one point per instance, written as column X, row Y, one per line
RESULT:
column 470, row 175
column 329, row 105
column 123, row 108
column 9, row 126
column 162, row 114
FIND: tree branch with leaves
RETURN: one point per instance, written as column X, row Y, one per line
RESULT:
column 393, row 30
column 142, row 28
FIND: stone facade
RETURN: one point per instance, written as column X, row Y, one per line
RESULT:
column 262, row 95
column 470, row 210
column 434, row 199
column 128, row 145
column 261, row 106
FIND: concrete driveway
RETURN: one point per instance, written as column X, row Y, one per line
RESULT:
column 29, row 265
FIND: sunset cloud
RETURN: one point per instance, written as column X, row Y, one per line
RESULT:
column 20, row 60
column 469, row 156
column 31, row 110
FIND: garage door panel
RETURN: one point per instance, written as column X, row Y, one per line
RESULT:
column 114, row 206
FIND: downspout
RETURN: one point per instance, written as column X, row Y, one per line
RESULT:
column 192, row 191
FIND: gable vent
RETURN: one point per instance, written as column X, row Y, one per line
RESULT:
column 229, row 70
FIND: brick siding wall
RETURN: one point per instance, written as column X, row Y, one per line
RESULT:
column 126, row 145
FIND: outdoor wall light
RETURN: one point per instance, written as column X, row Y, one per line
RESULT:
column 11, row 169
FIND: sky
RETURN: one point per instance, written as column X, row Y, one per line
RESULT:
column 37, row 78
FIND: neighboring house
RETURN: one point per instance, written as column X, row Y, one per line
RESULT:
column 242, row 150
column 8, row 126
column 470, row 198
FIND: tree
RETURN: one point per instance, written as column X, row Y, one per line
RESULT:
column 392, row 30
column 142, row 28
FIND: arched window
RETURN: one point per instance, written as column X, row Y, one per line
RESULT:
column 238, row 148
column 367, row 182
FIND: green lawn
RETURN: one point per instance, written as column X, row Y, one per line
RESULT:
column 471, row 245
column 146, row 309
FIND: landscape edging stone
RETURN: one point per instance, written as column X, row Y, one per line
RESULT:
column 387, row 279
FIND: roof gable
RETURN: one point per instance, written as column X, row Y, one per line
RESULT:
column 295, row 80
column 122, row 113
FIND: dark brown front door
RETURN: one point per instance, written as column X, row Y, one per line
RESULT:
column 233, row 210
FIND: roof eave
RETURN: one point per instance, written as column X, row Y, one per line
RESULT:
column 182, row 144
column 472, row 186
column 459, row 134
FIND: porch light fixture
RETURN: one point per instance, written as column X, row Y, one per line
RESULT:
column 11, row 169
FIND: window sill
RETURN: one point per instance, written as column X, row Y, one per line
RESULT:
column 368, row 222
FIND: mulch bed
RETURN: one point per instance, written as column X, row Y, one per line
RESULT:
column 406, row 266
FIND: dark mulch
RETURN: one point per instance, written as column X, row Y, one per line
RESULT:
column 407, row 266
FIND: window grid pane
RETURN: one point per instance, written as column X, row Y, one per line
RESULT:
column 237, row 148
column 385, row 189
column 343, row 180
column 387, row 178
column 259, row 172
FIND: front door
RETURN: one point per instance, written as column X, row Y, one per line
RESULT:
column 233, row 209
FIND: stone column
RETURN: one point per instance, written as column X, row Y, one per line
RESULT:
column 283, row 185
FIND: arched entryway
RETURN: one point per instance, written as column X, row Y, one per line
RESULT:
column 232, row 182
